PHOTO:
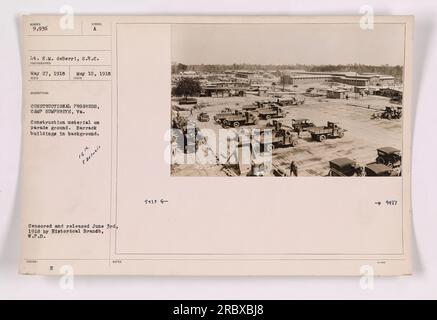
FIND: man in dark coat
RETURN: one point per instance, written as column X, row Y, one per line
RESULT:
column 293, row 169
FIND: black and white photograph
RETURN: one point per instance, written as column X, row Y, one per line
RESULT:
column 287, row 100
column 219, row 156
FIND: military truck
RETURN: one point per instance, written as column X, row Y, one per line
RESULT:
column 396, row 99
column 223, row 114
column 250, row 107
column 392, row 113
column 239, row 119
column 301, row 125
column 389, row 113
column 277, row 136
column 331, row 130
column 264, row 103
column 313, row 92
column 389, row 156
column 309, row 90
column 378, row 170
column 257, row 105
column 292, row 101
column 271, row 112
column 203, row 117
column 343, row 167
column 188, row 101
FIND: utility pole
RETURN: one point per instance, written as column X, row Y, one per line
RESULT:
column 356, row 84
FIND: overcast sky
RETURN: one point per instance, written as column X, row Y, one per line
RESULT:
column 287, row 44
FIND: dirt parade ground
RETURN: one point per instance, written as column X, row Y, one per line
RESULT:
column 362, row 138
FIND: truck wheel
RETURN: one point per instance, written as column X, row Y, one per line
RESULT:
column 322, row 138
column 270, row 147
column 268, row 117
column 341, row 134
column 295, row 143
column 218, row 121
column 236, row 124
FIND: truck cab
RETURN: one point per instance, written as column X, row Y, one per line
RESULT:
column 300, row 125
column 331, row 130
column 343, row 167
column 203, row 117
column 389, row 156
column 272, row 112
column 378, row 170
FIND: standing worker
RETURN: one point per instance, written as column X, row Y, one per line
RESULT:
column 293, row 169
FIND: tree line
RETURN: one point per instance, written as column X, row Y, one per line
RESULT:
column 395, row 71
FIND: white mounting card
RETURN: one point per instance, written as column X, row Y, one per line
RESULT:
column 216, row 145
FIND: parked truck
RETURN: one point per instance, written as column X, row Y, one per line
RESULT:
column 271, row 112
column 264, row 103
column 343, row 167
column 187, row 100
column 331, row 130
column 239, row 119
column 292, row 101
column 250, row 107
column 389, row 113
column 223, row 114
column 379, row 170
column 301, row 125
column 389, row 156
column 203, row 117
column 277, row 136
